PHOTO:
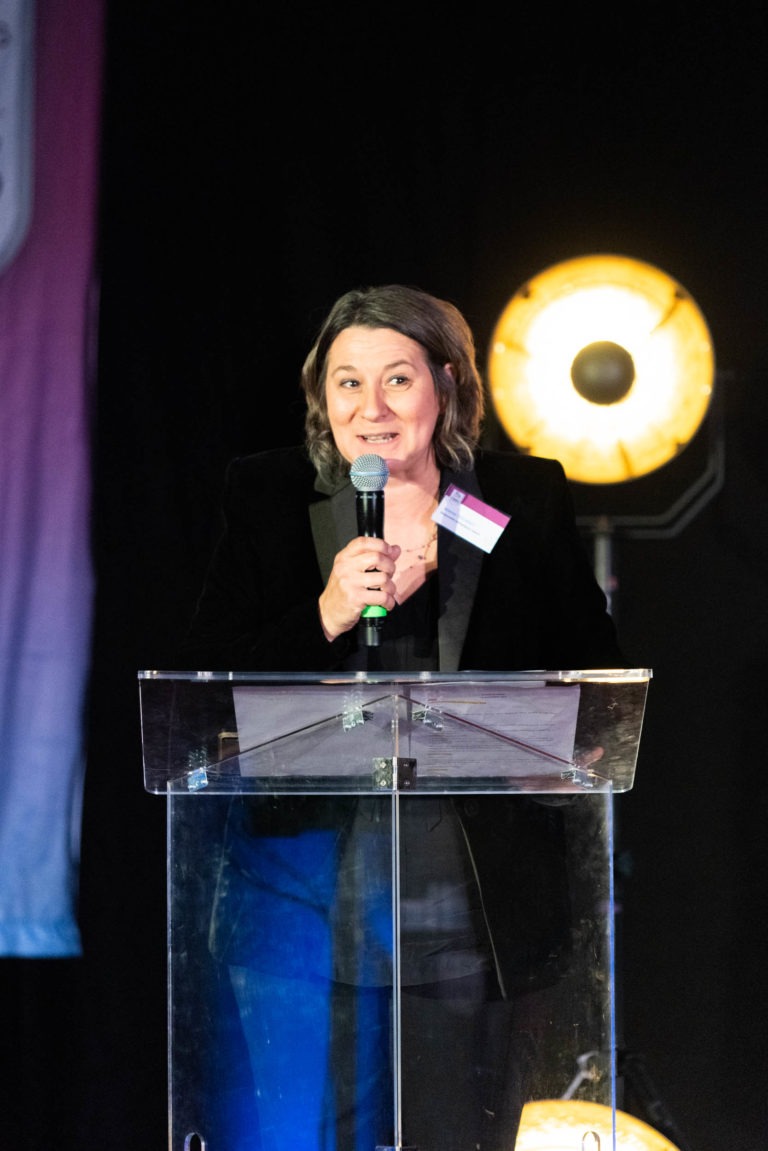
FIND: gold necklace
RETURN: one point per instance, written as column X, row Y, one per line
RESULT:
column 422, row 549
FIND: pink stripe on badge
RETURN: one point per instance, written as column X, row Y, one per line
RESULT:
column 476, row 505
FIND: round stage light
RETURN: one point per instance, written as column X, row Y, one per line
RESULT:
column 604, row 363
column 579, row 1125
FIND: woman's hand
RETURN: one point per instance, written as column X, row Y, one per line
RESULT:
column 362, row 576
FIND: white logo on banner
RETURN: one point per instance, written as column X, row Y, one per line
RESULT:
column 17, row 27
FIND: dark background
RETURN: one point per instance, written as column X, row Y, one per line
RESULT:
column 259, row 161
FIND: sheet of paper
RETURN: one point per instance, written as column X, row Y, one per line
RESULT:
column 462, row 730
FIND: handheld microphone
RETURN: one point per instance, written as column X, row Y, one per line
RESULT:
column 369, row 474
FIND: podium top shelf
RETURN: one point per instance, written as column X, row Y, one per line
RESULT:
column 576, row 675
column 368, row 732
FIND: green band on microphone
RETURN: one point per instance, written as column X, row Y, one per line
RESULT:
column 371, row 612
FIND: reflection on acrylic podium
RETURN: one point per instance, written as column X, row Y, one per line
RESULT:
column 390, row 901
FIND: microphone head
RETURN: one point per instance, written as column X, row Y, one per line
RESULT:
column 369, row 473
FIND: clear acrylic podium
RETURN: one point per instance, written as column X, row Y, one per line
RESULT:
column 308, row 820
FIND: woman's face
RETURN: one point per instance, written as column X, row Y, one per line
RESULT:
column 381, row 398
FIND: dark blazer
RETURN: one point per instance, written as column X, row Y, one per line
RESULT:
column 533, row 603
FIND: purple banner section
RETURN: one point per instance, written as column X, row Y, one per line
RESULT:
column 47, row 335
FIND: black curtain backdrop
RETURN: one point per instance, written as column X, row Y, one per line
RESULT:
column 257, row 163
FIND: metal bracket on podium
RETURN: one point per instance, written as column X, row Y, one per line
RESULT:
column 394, row 773
column 581, row 775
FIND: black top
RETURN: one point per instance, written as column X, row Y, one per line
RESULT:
column 408, row 637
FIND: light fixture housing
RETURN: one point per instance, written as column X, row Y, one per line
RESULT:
column 605, row 363
column 580, row 1125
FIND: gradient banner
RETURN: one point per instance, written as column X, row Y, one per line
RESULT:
column 48, row 294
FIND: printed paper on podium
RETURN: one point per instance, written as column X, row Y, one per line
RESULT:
column 452, row 730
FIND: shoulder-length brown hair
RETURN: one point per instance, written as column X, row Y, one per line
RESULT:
column 446, row 337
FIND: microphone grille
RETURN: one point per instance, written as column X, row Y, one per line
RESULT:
column 369, row 473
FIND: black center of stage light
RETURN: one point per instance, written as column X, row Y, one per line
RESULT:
column 603, row 372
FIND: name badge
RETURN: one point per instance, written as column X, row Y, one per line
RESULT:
column 470, row 518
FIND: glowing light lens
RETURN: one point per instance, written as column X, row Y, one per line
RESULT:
column 599, row 299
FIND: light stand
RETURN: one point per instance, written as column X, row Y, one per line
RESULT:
column 606, row 364
column 605, row 528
